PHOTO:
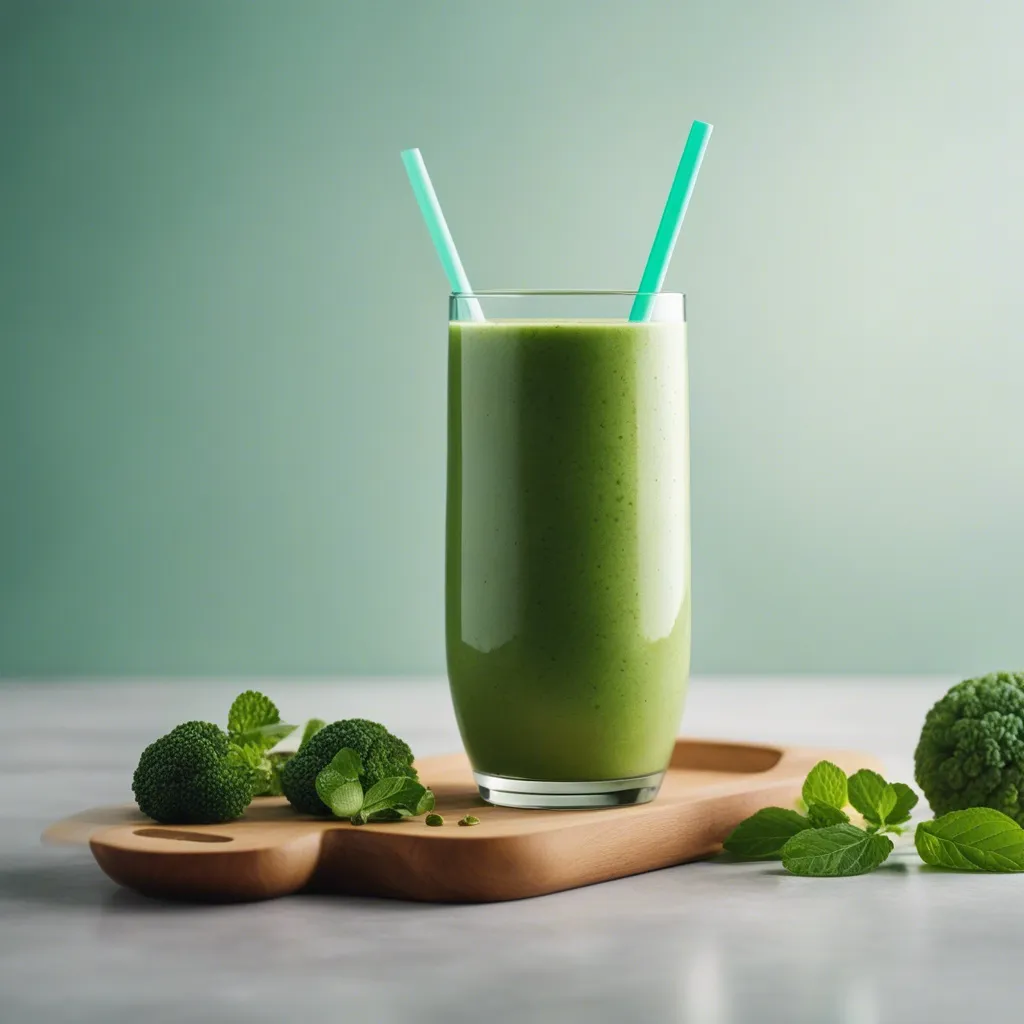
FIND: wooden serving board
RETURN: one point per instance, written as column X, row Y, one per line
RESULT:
column 709, row 788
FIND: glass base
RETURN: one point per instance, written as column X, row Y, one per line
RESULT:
column 564, row 796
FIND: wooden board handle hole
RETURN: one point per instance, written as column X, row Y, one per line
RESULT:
column 182, row 837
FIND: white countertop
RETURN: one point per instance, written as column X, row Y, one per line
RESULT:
column 706, row 943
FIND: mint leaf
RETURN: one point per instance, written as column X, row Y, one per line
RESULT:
column 869, row 793
column 343, row 796
column 382, row 792
column 886, row 803
column 835, row 852
column 409, row 797
column 764, row 834
column 250, row 710
column 822, row 816
column 393, row 798
column 254, row 719
column 347, row 763
column 313, row 726
column 826, row 784
column 906, row 801
column 883, row 804
column 978, row 839
column 338, row 786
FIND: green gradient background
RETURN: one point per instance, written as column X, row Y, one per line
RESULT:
column 223, row 328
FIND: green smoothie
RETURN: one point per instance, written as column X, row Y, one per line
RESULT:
column 568, row 545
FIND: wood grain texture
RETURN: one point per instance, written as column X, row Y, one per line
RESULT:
column 511, row 854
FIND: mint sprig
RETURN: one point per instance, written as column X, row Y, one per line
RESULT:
column 823, row 842
column 254, row 726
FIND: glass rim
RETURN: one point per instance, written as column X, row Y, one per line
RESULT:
column 519, row 293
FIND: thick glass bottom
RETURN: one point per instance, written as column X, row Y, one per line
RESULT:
column 551, row 796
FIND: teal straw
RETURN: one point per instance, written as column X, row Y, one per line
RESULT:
column 671, row 220
column 426, row 197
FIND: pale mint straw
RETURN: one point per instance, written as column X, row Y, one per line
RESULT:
column 671, row 220
column 438, row 228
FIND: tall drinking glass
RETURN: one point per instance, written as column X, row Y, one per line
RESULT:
column 568, row 543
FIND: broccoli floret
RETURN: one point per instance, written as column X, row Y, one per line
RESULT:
column 971, row 751
column 383, row 756
column 188, row 778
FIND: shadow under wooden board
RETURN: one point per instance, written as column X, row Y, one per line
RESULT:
column 709, row 788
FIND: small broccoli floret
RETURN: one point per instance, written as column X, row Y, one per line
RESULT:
column 383, row 756
column 188, row 778
column 971, row 751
